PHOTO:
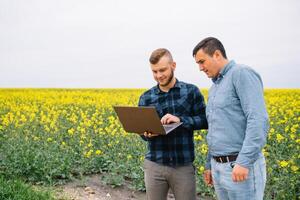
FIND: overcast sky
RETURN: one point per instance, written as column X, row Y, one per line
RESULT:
column 107, row 43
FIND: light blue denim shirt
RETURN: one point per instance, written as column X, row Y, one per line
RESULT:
column 236, row 114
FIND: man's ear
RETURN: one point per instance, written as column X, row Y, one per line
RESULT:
column 217, row 55
column 173, row 65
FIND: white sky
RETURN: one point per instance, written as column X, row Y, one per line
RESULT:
column 107, row 43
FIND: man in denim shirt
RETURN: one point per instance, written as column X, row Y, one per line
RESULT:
column 237, row 125
column 169, row 160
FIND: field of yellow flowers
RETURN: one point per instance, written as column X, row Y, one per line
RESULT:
column 48, row 136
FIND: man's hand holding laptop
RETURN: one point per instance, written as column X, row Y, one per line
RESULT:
column 166, row 119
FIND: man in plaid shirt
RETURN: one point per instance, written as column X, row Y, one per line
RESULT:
column 169, row 160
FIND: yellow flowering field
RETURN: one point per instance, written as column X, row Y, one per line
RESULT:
column 48, row 136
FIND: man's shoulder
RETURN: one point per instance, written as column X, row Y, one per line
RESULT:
column 149, row 91
column 241, row 71
column 238, row 68
column 187, row 85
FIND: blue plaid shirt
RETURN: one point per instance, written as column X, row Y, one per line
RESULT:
column 186, row 102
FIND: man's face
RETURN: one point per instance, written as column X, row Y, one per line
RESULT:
column 207, row 64
column 163, row 71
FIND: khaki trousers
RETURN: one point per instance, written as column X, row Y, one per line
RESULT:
column 159, row 178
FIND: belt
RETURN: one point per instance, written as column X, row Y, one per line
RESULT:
column 225, row 159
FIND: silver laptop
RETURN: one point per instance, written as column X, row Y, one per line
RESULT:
column 141, row 119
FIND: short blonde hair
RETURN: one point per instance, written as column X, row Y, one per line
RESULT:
column 158, row 53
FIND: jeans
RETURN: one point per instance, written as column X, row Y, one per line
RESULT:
column 252, row 188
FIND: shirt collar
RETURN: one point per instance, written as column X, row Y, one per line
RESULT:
column 224, row 70
column 178, row 84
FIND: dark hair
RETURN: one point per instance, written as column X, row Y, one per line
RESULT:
column 158, row 53
column 209, row 46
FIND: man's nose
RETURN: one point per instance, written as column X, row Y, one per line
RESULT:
column 201, row 67
column 159, row 75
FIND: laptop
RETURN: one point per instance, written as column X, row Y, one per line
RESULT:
column 141, row 119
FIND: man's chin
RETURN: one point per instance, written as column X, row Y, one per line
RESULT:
column 162, row 84
column 209, row 75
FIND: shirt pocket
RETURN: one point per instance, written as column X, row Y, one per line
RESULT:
column 223, row 99
column 183, row 106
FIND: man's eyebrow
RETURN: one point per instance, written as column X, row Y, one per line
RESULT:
column 200, row 61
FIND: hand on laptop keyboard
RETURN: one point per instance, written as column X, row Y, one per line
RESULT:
column 168, row 119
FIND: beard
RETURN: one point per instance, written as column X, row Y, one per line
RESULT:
column 168, row 80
